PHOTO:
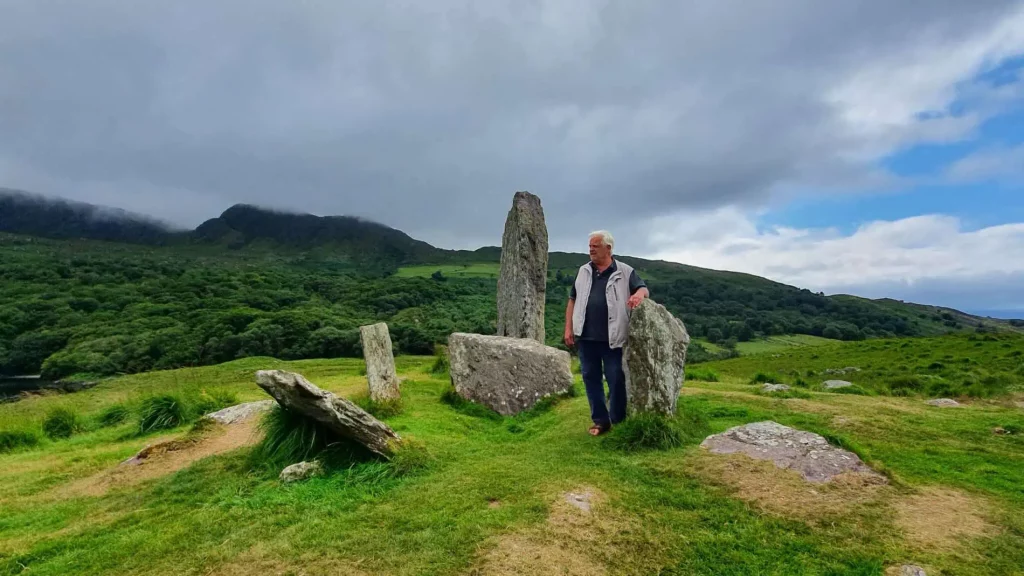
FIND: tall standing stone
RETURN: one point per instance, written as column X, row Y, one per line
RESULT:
column 522, row 283
column 655, row 357
column 380, row 362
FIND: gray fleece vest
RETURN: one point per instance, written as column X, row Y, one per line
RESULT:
column 616, row 293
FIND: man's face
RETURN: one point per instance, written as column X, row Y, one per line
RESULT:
column 599, row 252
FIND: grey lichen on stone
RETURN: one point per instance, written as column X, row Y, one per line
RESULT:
column 381, row 376
column 655, row 359
column 805, row 452
column 522, row 280
column 508, row 375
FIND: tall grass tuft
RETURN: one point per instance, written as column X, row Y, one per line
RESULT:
column 657, row 432
column 61, row 423
column 766, row 378
column 113, row 415
column 379, row 409
column 440, row 366
column 290, row 437
column 212, row 401
column 162, row 412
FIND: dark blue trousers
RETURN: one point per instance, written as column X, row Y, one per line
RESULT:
column 593, row 356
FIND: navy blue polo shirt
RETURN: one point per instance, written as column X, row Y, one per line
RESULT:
column 595, row 323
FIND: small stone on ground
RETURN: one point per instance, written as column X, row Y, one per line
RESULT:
column 301, row 471
column 580, row 500
column 943, row 402
column 833, row 384
column 774, row 388
column 807, row 453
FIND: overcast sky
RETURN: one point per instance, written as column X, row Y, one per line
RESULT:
column 871, row 147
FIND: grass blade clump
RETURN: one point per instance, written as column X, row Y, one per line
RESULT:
column 440, row 366
column 702, row 374
column 657, row 432
column 290, row 437
column 113, row 415
column 61, row 423
column 410, row 457
column 162, row 412
column 207, row 402
column 14, row 439
column 766, row 378
column 379, row 409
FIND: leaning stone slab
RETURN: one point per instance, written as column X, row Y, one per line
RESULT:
column 295, row 393
column 943, row 403
column 239, row 412
column 508, row 375
column 655, row 358
column 807, row 453
column 301, row 471
column 522, row 281
column 380, row 362
column 833, row 384
column 774, row 388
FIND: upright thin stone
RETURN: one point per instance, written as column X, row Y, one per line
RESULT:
column 380, row 362
column 655, row 359
column 522, row 283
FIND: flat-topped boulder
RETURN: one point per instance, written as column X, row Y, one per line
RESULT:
column 833, row 384
column 523, row 276
column 341, row 416
column 381, row 376
column 805, row 452
column 655, row 359
column 508, row 375
column 769, row 387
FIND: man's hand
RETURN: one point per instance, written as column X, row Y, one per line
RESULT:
column 635, row 299
column 569, row 340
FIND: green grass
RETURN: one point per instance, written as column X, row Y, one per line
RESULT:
column 961, row 365
column 702, row 373
column 481, row 270
column 61, row 422
column 779, row 343
column 466, row 482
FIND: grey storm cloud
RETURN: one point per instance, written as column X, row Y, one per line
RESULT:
column 428, row 116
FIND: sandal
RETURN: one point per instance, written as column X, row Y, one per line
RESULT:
column 597, row 430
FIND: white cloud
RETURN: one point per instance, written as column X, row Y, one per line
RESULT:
column 931, row 254
column 988, row 163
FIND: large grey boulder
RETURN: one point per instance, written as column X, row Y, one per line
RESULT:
column 380, row 362
column 522, row 281
column 807, row 453
column 508, row 375
column 655, row 358
column 295, row 393
column 239, row 412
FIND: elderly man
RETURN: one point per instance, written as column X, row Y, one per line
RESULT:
column 597, row 323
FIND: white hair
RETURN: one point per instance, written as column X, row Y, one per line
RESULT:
column 606, row 237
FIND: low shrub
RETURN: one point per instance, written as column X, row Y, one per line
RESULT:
column 14, row 439
column 61, row 423
column 766, row 378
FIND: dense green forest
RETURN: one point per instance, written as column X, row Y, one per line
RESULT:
column 90, row 291
column 100, row 308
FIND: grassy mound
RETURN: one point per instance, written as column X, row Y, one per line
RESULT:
column 658, row 432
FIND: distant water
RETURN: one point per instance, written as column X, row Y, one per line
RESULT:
column 1004, row 314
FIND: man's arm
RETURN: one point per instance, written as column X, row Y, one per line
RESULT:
column 637, row 289
column 568, row 321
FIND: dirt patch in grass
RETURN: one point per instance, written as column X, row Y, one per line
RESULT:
column 784, row 492
column 941, row 518
column 259, row 560
column 578, row 539
column 166, row 457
